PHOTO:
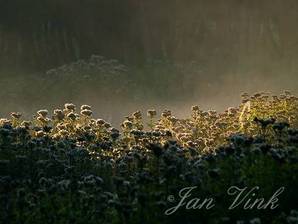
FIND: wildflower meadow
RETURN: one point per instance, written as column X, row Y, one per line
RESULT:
column 66, row 166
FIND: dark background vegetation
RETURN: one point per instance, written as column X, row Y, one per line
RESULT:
column 177, row 52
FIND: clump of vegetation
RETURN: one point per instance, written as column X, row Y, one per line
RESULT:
column 69, row 167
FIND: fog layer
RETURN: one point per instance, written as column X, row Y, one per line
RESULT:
column 169, row 54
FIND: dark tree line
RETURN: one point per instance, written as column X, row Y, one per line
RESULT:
column 40, row 34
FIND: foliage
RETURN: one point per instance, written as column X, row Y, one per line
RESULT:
column 72, row 168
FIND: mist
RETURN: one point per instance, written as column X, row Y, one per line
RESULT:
column 122, row 56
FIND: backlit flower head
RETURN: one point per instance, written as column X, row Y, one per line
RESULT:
column 85, row 107
column 43, row 113
column 107, row 125
column 100, row 122
column 195, row 108
column 86, row 112
column 127, row 124
column 151, row 113
column 26, row 124
column 63, row 132
column 70, row 107
column 4, row 121
column 137, row 115
column 71, row 116
column 232, row 110
column 39, row 134
column 58, row 114
column 43, row 119
column 166, row 113
column 16, row 115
